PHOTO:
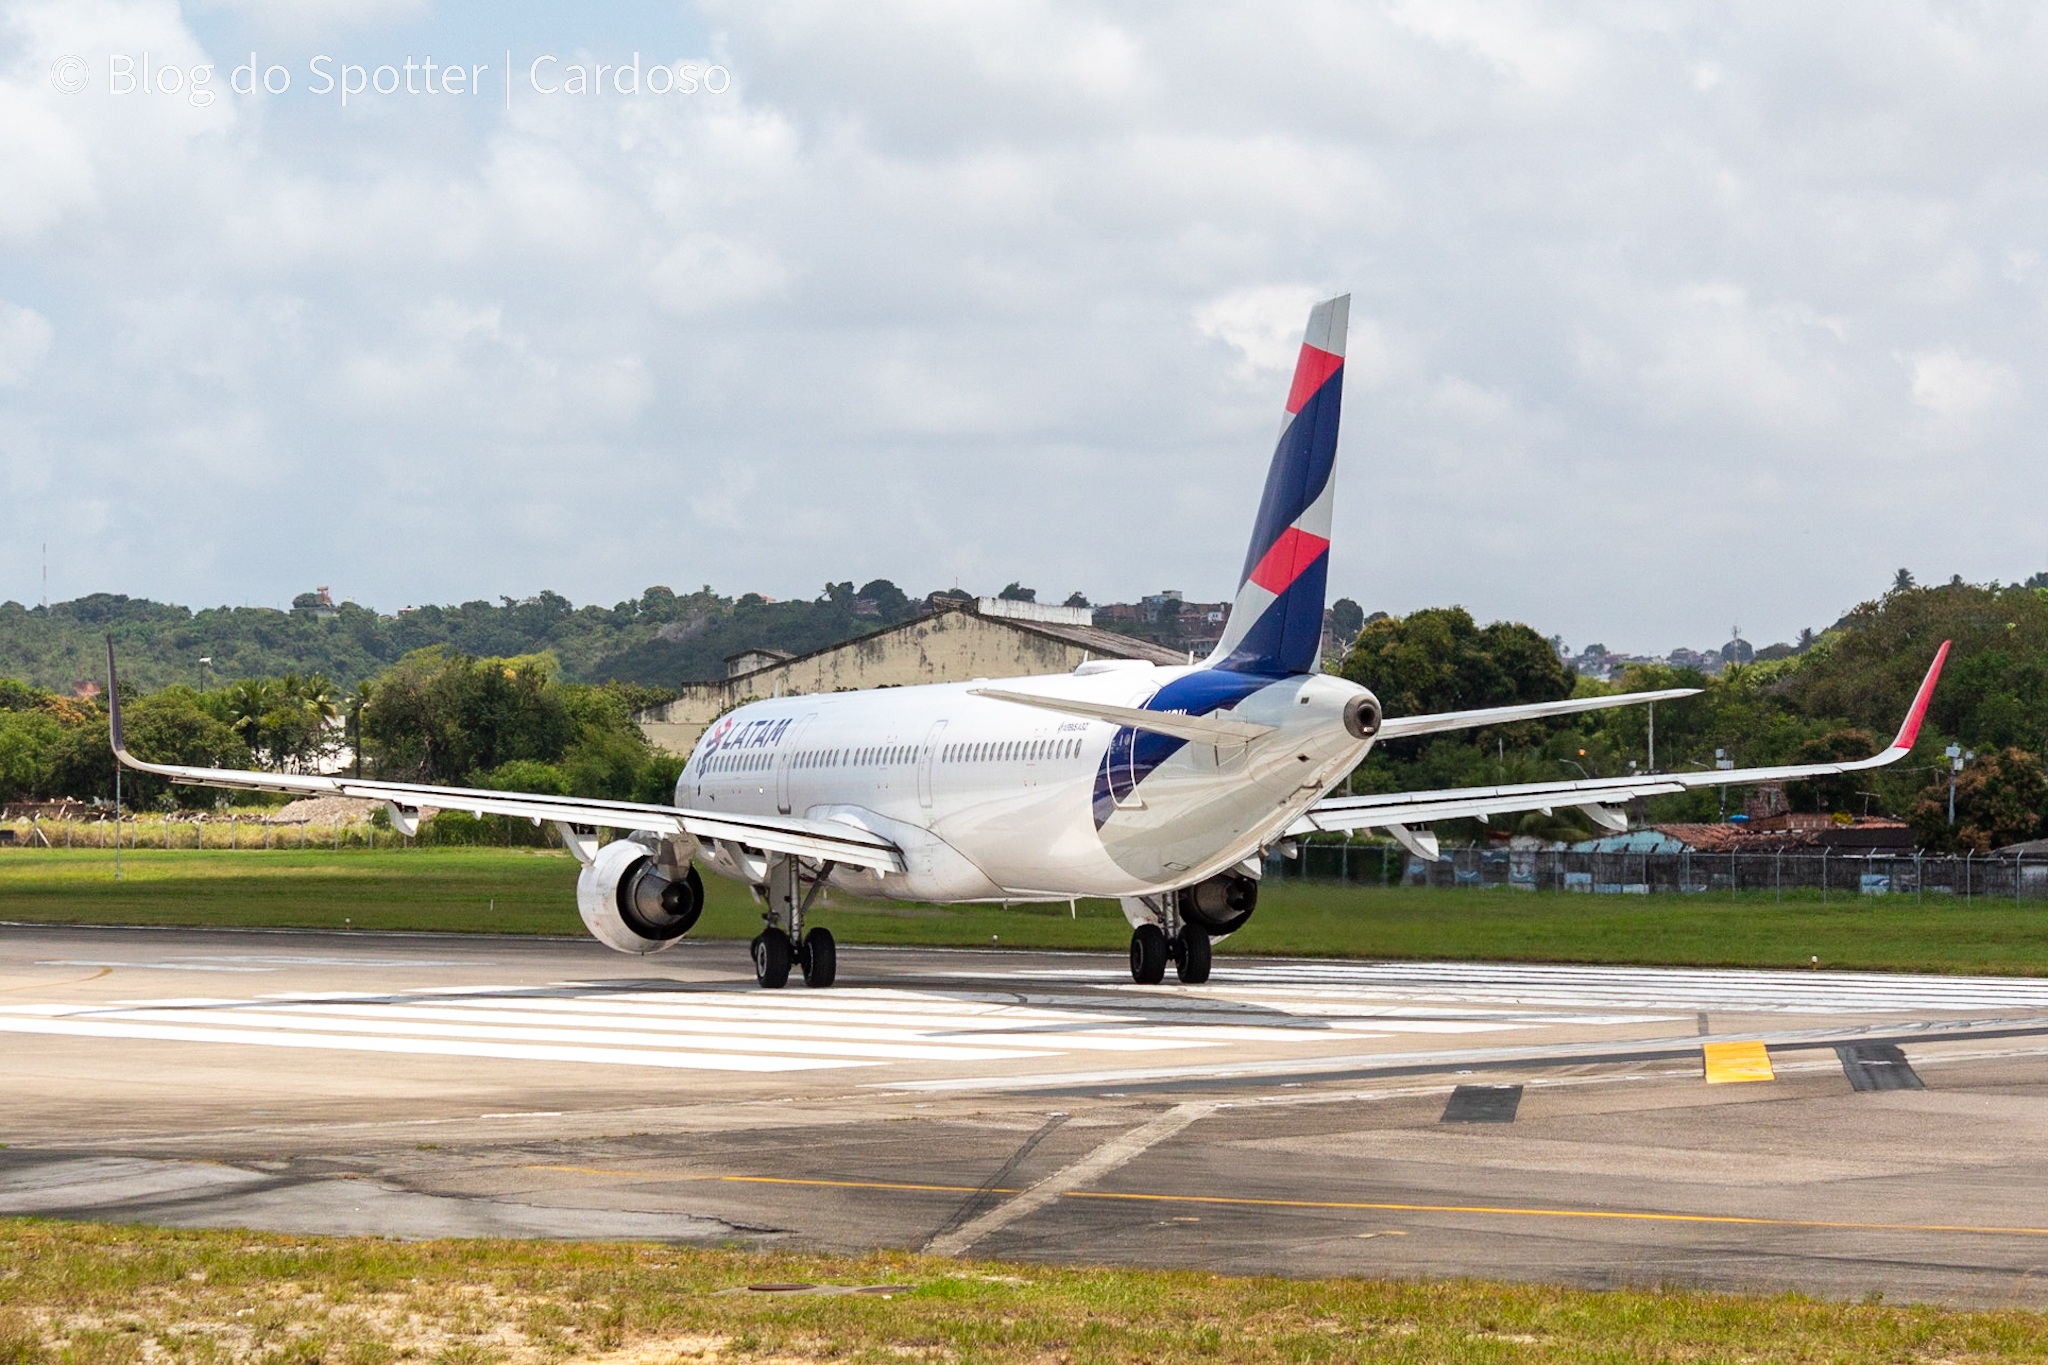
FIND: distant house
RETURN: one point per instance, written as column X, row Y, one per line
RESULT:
column 1797, row 832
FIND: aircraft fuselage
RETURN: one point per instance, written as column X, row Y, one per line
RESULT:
column 992, row 800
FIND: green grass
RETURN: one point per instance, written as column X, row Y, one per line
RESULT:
column 79, row 1294
column 532, row 892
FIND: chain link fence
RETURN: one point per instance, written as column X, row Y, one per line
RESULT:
column 449, row 829
column 1830, row 873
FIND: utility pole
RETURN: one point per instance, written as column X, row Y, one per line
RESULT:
column 1653, row 736
column 1956, row 759
column 46, row 575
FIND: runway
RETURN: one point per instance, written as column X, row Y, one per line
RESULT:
column 1840, row 1134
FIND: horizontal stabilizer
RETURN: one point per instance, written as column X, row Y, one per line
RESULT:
column 1404, row 727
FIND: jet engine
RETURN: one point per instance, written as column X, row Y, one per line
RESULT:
column 634, row 902
column 1220, row 905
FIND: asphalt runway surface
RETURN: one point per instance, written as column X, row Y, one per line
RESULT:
column 1838, row 1134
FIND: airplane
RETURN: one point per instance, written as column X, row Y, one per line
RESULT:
column 1160, row 787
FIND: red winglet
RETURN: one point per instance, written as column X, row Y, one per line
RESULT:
column 1910, row 731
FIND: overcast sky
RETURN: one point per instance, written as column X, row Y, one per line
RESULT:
column 1665, row 317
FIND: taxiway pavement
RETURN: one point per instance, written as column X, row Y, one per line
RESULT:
column 1861, row 1133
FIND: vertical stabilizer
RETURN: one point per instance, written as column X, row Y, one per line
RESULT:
column 1276, row 624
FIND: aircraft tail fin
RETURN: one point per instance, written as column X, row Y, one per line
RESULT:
column 1276, row 623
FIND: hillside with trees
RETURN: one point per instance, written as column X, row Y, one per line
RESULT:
column 658, row 639
column 539, row 696
column 1841, row 696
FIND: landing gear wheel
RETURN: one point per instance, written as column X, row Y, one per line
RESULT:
column 771, row 958
column 820, row 959
column 1191, row 955
column 1148, row 955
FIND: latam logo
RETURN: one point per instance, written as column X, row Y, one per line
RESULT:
column 755, row 734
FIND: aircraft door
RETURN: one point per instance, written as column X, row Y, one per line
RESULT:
column 1123, row 769
column 787, row 759
column 925, row 762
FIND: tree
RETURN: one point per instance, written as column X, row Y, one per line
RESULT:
column 28, row 743
column 171, row 726
column 1347, row 618
column 438, row 716
column 1999, row 801
column 1076, row 599
column 1439, row 660
column 288, row 722
column 889, row 600
column 1902, row 581
column 1994, row 688
column 1836, row 793
column 1018, row 593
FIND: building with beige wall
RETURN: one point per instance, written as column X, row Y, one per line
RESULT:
column 958, row 642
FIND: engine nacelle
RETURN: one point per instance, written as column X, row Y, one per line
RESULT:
column 1220, row 905
column 632, row 904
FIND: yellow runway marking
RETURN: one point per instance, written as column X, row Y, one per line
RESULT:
column 1729, row 1062
column 777, row 1180
column 1496, row 1210
column 51, row 985
column 1622, row 1214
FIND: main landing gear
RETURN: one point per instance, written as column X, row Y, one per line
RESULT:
column 774, row 954
column 1188, row 950
column 1182, row 926
column 777, row 948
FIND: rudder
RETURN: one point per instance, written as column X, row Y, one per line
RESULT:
column 1276, row 623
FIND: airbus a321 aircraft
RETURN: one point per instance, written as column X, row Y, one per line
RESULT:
column 1161, row 787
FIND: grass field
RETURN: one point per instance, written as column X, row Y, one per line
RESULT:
column 532, row 892
column 74, row 1294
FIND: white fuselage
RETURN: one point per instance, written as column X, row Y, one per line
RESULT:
column 993, row 800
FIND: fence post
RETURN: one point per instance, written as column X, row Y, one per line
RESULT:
column 1823, row 875
column 1969, row 882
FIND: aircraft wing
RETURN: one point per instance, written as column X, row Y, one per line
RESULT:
column 1597, row 797
column 826, row 840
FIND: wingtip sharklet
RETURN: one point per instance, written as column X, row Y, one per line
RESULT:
column 1909, row 730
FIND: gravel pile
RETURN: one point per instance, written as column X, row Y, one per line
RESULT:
column 324, row 810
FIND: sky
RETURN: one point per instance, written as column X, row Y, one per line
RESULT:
column 1666, row 317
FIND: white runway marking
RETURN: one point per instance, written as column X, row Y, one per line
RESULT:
column 1324, row 986
column 708, row 1030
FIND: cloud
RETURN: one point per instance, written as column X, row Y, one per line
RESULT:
column 1263, row 325
column 24, row 341
column 1958, row 388
column 1012, row 292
